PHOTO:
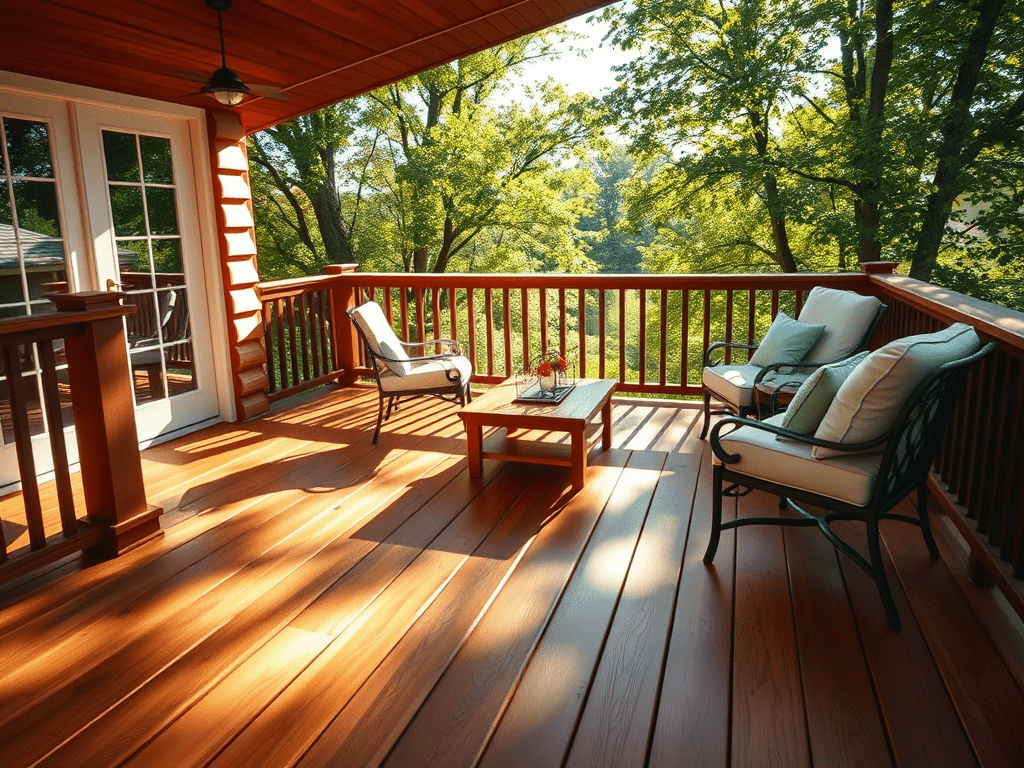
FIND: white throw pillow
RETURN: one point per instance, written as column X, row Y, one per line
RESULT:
column 811, row 402
column 869, row 400
column 787, row 341
column 398, row 363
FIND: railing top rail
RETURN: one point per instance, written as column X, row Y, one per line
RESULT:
column 999, row 323
column 280, row 289
column 606, row 281
column 14, row 329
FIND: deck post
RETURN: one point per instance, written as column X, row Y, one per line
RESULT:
column 104, row 411
column 345, row 342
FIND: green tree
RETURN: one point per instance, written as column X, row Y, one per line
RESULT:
column 706, row 94
column 615, row 241
column 299, row 163
column 462, row 164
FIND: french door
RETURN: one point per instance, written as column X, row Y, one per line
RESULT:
column 97, row 198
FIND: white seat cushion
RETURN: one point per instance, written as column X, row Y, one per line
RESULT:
column 429, row 375
column 381, row 336
column 735, row 383
column 791, row 463
column 846, row 316
column 869, row 400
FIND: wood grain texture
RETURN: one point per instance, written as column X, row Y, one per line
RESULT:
column 318, row 601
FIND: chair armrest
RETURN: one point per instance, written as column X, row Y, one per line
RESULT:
column 732, row 458
column 452, row 344
column 776, row 367
column 724, row 345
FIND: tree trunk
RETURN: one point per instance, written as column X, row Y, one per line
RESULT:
column 783, row 253
column 957, row 126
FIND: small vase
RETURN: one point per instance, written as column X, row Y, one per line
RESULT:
column 548, row 383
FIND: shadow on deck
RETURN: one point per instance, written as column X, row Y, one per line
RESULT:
column 316, row 600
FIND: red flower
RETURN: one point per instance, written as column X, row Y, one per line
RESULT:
column 545, row 369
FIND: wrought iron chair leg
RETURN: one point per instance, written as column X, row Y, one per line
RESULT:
column 380, row 418
column 922, row 513
column 716, row 515
column 707, row 414
column 892, row 615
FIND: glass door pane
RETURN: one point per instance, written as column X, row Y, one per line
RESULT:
column 143, row 197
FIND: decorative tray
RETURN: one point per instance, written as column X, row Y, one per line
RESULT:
column 535, row 395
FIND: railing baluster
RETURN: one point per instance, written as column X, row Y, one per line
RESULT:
column 268, row 345
column 562, row 338
column 282, row 351
column 663, row 350
column 751, row 312
column 684, row 339
column 622, row 335
column 453, row 315
column 421, row 320
column 23, row 445
column 489, row 311
column 581, row 302
column 728, row 323
column 506, row 330
column 601, row 334
column 471, row 324
column 642, row 365
column 58, row 449
column 303, row 333
column 543, row 319
column 403, row 309
column 524, row 305
column 435, row 307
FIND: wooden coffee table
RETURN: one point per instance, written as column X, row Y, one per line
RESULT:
column 574, row 415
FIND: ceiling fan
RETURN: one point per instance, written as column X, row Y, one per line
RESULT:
column 224, row 84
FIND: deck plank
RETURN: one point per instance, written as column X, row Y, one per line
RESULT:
column 317, row 600
column 693, row 715
column 768, row 723
column 538, row 724
column 454, row 721
column 842, row 714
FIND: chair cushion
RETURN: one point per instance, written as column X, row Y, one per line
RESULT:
column 379, row 333
column 396, row 351
column 790, row 463
column 846, row 316
column 787, row 341
column 735, row 383
column 869, row 400
column 429, row 375
column 811, row 402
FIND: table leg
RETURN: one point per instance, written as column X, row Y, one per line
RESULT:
column 474, row 446
column 606, row 424
column 579, row 457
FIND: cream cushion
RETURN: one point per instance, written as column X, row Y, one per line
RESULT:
column 431, row 374
column 790, row 463
column 846, row 316
column 869, row 400
column 787, row 341
column 399, row 357
column 734, row 383
column 811, row 402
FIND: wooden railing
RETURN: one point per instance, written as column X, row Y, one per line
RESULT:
column 89, row 329
column 977, row 475
column 297, row 334
column 650, row 331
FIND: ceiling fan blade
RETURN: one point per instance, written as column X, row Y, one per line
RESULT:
column 193, row 77
column 269, row 91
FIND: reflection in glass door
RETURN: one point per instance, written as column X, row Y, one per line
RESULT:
column 143, row 204
column 32, row 263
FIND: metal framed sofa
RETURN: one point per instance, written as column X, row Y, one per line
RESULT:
column 832, row 326
column 856, row 440
column 445, row 374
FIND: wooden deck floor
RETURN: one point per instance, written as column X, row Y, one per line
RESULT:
column 317, row 601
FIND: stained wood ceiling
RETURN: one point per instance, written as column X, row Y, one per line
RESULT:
column 318, row 52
